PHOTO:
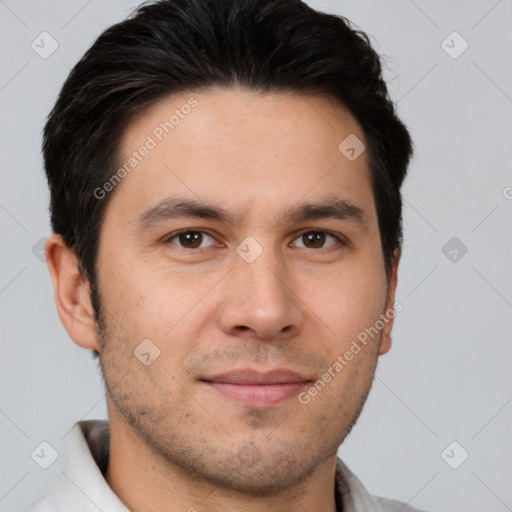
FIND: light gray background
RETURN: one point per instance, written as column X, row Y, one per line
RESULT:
column 447, row 377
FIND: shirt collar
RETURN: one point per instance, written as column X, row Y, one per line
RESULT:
column 82, row 486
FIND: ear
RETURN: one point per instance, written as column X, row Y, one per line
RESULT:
column 71, row 293
column 385, row 343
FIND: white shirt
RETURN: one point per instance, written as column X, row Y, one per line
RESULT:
column 81, row 486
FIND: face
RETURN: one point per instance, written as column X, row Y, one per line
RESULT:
column 243, row 247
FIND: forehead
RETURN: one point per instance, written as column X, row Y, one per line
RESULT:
column 255, row 152
column 235, row 114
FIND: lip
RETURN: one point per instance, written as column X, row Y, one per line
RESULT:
column 257, row 389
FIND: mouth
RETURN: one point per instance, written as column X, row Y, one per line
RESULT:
column 256, row 389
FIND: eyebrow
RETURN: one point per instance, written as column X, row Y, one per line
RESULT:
column 180, row 207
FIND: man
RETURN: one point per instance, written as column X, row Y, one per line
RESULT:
column 225, row 198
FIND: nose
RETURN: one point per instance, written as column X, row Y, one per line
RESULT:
column 258, row 301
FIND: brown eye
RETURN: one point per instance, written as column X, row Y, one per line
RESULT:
column 317, row 239
column 189, row 239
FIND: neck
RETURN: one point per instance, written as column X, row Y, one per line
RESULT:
column 145, row 482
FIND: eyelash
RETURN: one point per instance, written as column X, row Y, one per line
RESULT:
column 340, row 241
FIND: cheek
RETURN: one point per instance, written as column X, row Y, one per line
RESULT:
column 161, row 306
column 348, row 302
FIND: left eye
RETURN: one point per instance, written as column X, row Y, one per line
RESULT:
column 190, row 239
column 316, row 239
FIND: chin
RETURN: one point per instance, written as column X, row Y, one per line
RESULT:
column 255, row 470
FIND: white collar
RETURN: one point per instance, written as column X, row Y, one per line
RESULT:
column 81, row 486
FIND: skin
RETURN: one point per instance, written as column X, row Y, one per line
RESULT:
column 176, row 443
